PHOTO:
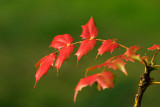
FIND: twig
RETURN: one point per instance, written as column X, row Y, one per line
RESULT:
column 123, row 46
column 154, row 55
column 156, row 65
column 76, row 42
column 157, row 83
column 100, row 40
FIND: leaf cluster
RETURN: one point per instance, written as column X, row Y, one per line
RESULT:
column 64, row 46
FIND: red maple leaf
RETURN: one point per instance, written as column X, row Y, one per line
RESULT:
column 63, row 55
column 94, row 67
column 131, row 53
column 107, row 45
column 44, row 64
column 154, row 47
column 104, row 80
column 117, row 63
column 126, row 58
column 132, row 50
column 39, row 62
column 86, row 46
column 60, row 41
column 89, row 30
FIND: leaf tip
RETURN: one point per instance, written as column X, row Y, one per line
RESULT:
column 75, row 95
column 98, row 55
column 77, row 61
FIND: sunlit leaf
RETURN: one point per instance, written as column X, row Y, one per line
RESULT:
column 104, row 80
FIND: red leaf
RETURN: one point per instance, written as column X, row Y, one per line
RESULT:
column 131, row 52
column 89, row 30
column 126, row 58
column 119, row 64
column 115, row 64
column 63, row 55
column 44, row 65
column 86, row 45
column 104, row 80
column 108, row 45
column 94, row 67
column 154, row 47
column 61, row 41
column 39, row 62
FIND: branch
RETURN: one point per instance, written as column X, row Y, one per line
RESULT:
column 145, row 81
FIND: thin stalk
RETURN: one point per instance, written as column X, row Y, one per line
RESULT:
column 157, row 83
column 154, row 55
column 76, row 42
column 123, row 46
column 57, row 51
column 100, row 40
column 156, row 65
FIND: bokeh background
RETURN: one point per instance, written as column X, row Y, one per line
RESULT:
column 27, row 28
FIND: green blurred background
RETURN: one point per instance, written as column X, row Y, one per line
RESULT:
column 27, row 28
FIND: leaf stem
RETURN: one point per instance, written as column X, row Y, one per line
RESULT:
column 123, row 46
column 100, row 40
column 154, row 55
column 76, row 42
column 57, row 51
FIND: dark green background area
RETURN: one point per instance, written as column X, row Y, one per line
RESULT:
column 27, row 28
